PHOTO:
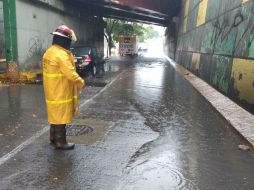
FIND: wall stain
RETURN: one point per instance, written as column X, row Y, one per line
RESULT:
column 34, row 54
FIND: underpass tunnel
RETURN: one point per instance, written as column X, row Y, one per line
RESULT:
column 164, row 13
column 25, row 42
column 211, row 38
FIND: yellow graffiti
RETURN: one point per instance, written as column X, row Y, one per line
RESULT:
column 202, row 12
column 243, row 75
column 186, row 8
column 195, row 61
column 245, row 1
column 186, row 13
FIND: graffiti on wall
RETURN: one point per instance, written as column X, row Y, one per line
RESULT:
column 231, row 35
column 220, row 74
column 224, row 38
column 35, row 46
column 34, row 53
column 242, row 77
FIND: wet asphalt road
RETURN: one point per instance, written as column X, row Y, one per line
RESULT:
column 150, row 130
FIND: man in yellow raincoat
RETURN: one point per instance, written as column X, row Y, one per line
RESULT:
column 61, row 83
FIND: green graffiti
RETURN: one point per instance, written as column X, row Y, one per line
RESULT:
column 246, row 12
column 220, row 74
column 251, row 50
column 207, row 42
column 213, row 10
column 226, row 45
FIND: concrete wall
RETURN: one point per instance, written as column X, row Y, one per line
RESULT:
column 1, row 30
column 35, row 21
column 216, row 42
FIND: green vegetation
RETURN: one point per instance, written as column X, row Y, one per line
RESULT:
column 115, row 28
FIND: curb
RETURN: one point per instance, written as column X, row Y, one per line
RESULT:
column 240, row 119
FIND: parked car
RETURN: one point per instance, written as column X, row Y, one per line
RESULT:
column 88, row 60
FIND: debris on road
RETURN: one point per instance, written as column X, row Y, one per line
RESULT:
column 244, row 147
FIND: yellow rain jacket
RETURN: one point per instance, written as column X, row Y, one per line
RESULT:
column 60, row 82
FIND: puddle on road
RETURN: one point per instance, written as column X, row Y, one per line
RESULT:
column 86, row 131
column 156, row 173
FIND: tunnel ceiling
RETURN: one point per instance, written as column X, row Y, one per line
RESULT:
column 157, row 12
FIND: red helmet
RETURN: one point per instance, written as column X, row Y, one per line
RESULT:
column 66, row 32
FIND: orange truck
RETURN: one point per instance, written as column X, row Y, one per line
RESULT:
column 128, row 45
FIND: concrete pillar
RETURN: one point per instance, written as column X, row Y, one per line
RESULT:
column 10, row 31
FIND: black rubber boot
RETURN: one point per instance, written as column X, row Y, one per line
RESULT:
column 60, row 138
column 52, row 134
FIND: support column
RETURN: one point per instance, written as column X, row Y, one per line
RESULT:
column 10, row 33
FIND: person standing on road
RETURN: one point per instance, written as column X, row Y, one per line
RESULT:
column 61, row 83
